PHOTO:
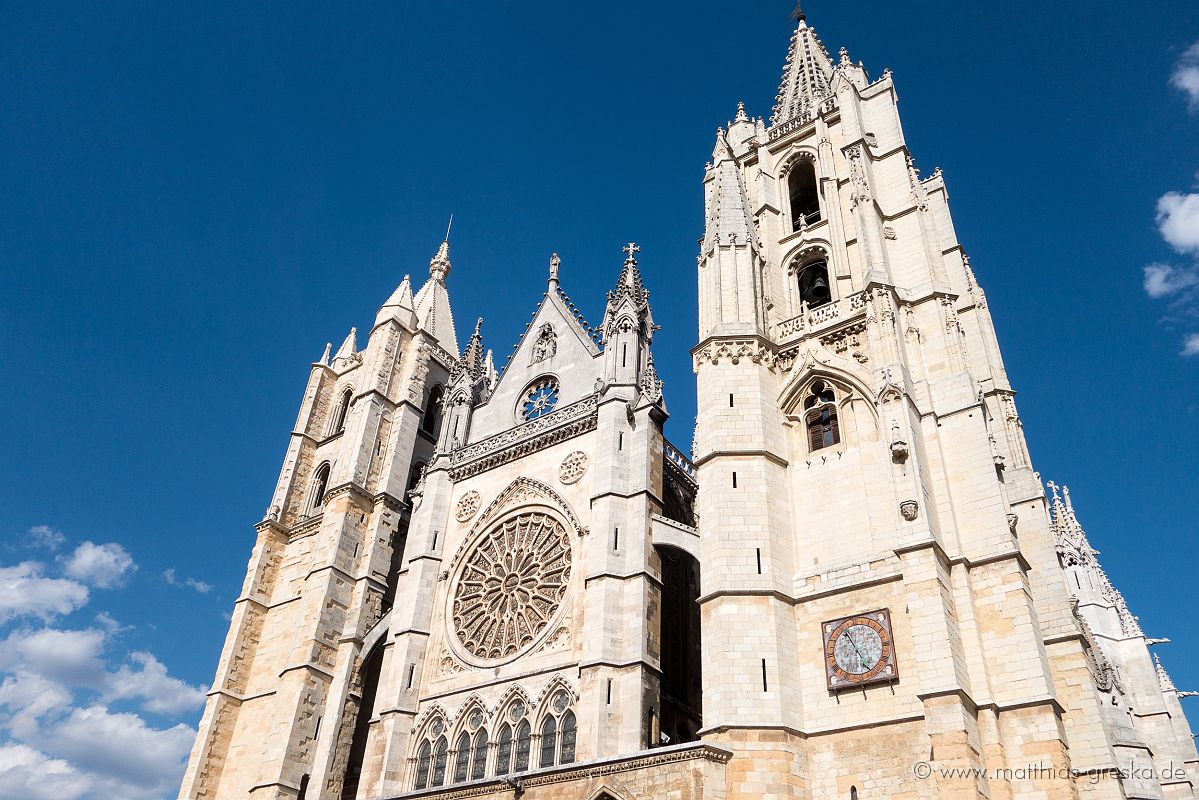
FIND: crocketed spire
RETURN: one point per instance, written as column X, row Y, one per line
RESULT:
column 432, row 302
column 629, row 284
column 1076, row 551
column 806, row 75
column 728, row 216
column 472, row 359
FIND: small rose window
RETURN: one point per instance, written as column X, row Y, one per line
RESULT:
column 540, row 399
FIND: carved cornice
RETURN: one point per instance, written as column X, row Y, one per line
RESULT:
column 565, row 423
column 734, row 349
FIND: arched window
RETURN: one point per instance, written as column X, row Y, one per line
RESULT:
column 801, row 187
column 424, row 757
column 462, row 758
column 479, row 759
column 339, row 413
column 853, row 793
column 566, row 751
column 503, row 752
column 549, row 742
column 431, row 421
column 821, row 417
column 813, row 284
column 320, row 483
column 522, row 746
column 440, row 754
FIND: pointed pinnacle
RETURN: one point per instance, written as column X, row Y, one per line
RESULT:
column 798, row 14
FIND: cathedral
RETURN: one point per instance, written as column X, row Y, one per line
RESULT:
column 493, row 581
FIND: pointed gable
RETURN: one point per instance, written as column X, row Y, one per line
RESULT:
column 556, row 345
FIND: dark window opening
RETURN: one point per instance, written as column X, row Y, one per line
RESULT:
column 681, row 687
column 569, row 734
column 441, row 752
column 366, row 709
column 424, row 758
column 522, row 746
column 339, row 414
column 399, row 543
column 503, row 757
column 462, row 758
column 813, row 284
column 677, row 503
column 303, row 793
column 824, row 429
column 431, row 421
column 549, row 742
column 805, row 202
column 478, row 763
column 320, row 485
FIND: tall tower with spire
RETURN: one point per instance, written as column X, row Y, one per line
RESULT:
column 890, row 606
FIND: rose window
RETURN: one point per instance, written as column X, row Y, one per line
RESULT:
column 540, row 399
column 511, row 585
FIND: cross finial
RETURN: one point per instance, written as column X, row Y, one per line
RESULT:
column 632, row 249
column 798, row 14
column 1053, row 488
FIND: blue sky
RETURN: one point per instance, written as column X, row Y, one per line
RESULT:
column 193, row 200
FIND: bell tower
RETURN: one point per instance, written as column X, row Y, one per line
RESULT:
column 881, row 583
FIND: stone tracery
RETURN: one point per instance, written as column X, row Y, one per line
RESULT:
column 512, row 585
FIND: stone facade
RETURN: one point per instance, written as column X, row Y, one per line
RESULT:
column 473, row 582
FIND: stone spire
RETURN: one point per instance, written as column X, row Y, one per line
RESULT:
column 629, row 284
column 432, row 302
column 806, row 75
column 325, row 355
column 473, row 357
column 728, row 218
column 1076, row 551
column 399, row 305
column 1163, row 678
column 349, row 345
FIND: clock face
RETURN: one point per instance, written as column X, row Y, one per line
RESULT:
column 858, row 650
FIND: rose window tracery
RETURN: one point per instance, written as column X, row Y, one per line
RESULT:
column 511, row 585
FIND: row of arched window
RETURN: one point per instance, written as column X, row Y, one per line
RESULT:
column 516, row 748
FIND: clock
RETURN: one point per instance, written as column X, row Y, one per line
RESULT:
column 859, row 651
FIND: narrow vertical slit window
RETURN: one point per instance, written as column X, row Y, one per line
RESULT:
column 765, row 686
column 759, row 550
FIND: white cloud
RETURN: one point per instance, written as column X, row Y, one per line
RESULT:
column 171, row 577
column 24, row 591
column 161, row 693
column 1178, row 221
column 148, row 762
column 28, row 773
column 71, row 658
column 45, row 537
column 63, row 740
column 1190, row 345
column 1163, row 279
column 104, row 566
column 1186, row 75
